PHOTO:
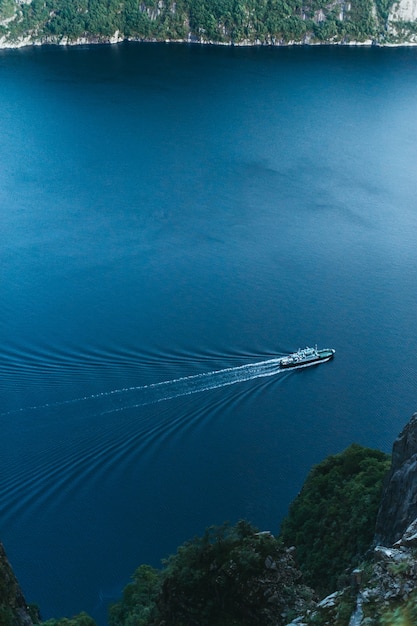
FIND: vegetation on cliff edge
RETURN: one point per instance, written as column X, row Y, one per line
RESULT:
column 238, row 576
column 232, row 576
column 332, row 520
column 261, row 21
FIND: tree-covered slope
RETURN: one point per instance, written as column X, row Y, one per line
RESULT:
column 231, row 576
column 238, row 576
column 332, row 520
column 24, row 22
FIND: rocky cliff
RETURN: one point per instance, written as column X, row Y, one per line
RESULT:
column 402, row 21
column 14, row 610
column 404, row 10
column 383, row 589
column 232, row 22
column 399, row 497
column 383, row 592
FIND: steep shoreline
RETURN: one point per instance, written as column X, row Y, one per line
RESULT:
column 382, row 588
column 28, row 42
column 13, row 606
column 247, row 23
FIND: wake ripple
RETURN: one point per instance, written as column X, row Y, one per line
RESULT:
column 187, row 385
column 131, row 397
column 69, row 449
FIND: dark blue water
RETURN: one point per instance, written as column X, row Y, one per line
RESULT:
column 168, row 212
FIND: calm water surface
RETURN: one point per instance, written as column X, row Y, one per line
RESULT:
column 171, row 211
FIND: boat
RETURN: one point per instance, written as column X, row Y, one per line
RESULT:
column 307, row 356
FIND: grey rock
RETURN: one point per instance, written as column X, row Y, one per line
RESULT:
column 12, row 600
column 399, row 497
column 329, row 601
column 409, row 538
column 389, row 555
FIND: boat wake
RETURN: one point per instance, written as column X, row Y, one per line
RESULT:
column 132, row 397
column 187, row 385
column 66, row 449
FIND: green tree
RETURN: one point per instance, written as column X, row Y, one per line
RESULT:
column 332, row 520
column 138, row 605
column 7, row 8
column 231, row 576
column 214, row 20
column 82, row 619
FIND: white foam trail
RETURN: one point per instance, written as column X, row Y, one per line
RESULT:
column 130, row 397
column 206, row 381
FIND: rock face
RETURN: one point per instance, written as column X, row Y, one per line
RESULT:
column 404, row 10
column 399, row 497
column 384, row 592
column 384, row 589
column 401, row 23
column 13, row 607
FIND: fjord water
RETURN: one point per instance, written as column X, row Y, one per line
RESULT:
column 170, row 211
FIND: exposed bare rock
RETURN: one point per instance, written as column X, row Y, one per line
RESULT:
column 409, row 538
column 399, row 497
column 404, row 10
column 13, row 606
column 387, row 594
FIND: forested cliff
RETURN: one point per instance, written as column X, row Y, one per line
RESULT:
column 238, row 22
column 238, row 576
